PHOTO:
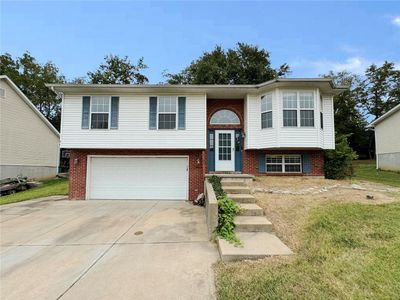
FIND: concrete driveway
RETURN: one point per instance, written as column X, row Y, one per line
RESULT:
column 60, row 249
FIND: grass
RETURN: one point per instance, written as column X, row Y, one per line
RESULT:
column 48, row 188
column 348, row 251
column 365, row 170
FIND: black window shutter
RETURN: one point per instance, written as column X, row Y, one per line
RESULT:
column 153, row 113
column 181, row 113
column 85, row 112
column 114, row 112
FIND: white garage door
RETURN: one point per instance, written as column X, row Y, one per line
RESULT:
column 164, row 178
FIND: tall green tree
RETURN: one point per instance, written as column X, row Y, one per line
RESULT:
column 350, row 119
column 244, row 64
column 117, row 70
column 380, row 90
column 31, row 76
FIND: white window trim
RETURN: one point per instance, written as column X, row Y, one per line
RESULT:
column 266, row 111
column 4, row 93
column 224, row 123
column 165, row 113
column 298, row 109
column 283, row 163
column 90, row 113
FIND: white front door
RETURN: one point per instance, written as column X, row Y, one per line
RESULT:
column 225, row 150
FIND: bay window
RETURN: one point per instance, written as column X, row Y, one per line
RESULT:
column 266, row 111
column 298, row 105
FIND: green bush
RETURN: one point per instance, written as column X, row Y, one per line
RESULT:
column 227, row 210
column 339, row 162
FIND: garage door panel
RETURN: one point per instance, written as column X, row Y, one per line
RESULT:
column 138, row 178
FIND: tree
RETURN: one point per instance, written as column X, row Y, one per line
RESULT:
column 118, row 70
column 349, row 117
column 380, row 91
column 244, row 64
column 31, row 77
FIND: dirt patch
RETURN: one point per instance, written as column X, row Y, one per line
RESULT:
column 287, row 201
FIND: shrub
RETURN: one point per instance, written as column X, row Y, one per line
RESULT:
column 339, row 162
column 227, row 210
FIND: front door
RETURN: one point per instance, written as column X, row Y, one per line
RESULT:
column 225, row 150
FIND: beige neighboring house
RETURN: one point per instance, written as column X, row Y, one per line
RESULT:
column 387, row 140
column 29, row 144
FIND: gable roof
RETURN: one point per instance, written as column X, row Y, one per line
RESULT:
column 30, row 104
column 384, row 116
column 213, row 90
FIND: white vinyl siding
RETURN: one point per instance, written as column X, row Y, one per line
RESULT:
column 281, row 136
column 133, row 126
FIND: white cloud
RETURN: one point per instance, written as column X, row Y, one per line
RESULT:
column 396, row 20
column 354, row 64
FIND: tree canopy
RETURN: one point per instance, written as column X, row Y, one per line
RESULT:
column 116, row 70
column 31, row 76
column 244, row 64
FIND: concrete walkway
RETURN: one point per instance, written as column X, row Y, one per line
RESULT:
column 59, row 249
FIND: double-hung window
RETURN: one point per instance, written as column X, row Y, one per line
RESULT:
column 290, row 109
column 100, row 112
column 266, row 111
column 283, row 163
column 167, row 108
column 298, row 105
column 306, row 109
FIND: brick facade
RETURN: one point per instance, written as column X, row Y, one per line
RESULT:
column 235, row 105
column 250, row 162
column 78, row 164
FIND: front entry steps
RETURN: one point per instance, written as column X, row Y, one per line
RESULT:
column 252, row 227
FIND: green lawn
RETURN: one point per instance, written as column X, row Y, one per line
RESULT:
column 365, row 170
column 349, row 251
column 48, row 188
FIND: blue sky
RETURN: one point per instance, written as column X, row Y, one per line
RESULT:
column 312, row 37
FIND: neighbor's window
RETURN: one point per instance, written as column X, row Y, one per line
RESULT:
column 266, row 111
column 298, row 105
column 167, row 112
column 2, row 93
column 283, row 163
column 100, row 111
column 321, row 114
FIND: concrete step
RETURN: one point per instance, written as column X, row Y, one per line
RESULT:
column 230, row 182
column 251, row 209
column 236, row 190
column 252, row 224
column 255, row 245
column 242, row 198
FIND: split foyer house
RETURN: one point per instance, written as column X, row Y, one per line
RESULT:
column 159, row 141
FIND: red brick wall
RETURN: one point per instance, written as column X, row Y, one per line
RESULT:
column 250, row 161
column 78, row 163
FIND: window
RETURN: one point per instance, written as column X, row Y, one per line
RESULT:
column 100, row 111
column 2, row 93
column 167, row 112
column 224, row 117
column 298, row 105
column 266, row 111
column 306, row 109
column 283, row 163
column 290, row 109
column 321, row 114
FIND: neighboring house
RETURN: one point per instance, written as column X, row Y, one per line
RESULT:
column 387, row 140
column 159, row 141
column 29, row 144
